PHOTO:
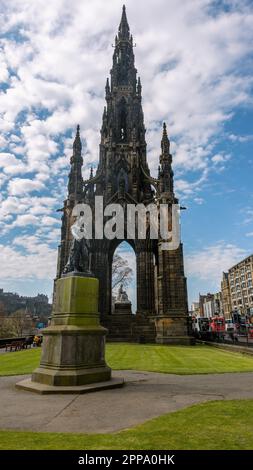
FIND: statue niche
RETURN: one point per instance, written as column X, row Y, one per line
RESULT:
column 122, row 182
column 123, row 306
column 122, row 113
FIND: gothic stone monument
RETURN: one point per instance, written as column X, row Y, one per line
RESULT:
column 123, row 177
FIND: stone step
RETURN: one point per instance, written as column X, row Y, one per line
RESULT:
column 129, row 328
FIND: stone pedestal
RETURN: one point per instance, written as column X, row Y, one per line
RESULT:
column 173, row 330
column 123, row 308
column 73, row 349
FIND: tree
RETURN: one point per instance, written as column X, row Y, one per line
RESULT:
column 3, row 321
column 121, row 272
column 15, row 325
column 2, row 309
column 21, row 322
column 4, row 327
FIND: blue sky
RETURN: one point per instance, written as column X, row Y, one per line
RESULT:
column 195, row 62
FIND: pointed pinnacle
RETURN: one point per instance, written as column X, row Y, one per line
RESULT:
column 165, row 135
column 77, row 145
column 123, row 27
column 164, row 130
column 165, row 143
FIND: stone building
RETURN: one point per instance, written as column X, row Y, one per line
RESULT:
column 194, row 309
column 213, row 306
column 203, row 298
column 123, row 177
column 38, row 306
column 237, row 288
column 226, row 297
column 210, row 305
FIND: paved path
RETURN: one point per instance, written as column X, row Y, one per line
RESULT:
column 145, row 396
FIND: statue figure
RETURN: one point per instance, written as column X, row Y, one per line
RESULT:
column 79, row 258
column 122, row 295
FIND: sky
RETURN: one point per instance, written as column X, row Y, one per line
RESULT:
column 195, row 62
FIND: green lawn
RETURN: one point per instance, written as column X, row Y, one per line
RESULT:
column 169, row 359
column 214, row 425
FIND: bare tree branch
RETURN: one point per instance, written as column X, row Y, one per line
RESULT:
column 121, row 272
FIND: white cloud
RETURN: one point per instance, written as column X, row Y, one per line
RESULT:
column 3, row 141
column 189, row 71
column 25, row 220
column 11, row 206
column 127, row 253
column 195, row 73
column 19, row 186
column 188, row 188
column 248, row 215
column 49, row 221
column 199, row 200
column 39, row 263
column 4, row 74
column 53, row 235
column 10, row 164
column 220, row 158
column 210, row 262
column 29, row 211
column 240, row 138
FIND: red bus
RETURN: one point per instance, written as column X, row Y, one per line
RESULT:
column 217, row 324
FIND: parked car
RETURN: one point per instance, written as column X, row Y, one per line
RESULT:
column 230, row 326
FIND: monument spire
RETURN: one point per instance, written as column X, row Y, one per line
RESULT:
column 124, row 32
column 75, row 184
column 165, row 143
column 77, row 145
column 166, row 173
column 123, row 116
column 123, row 71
